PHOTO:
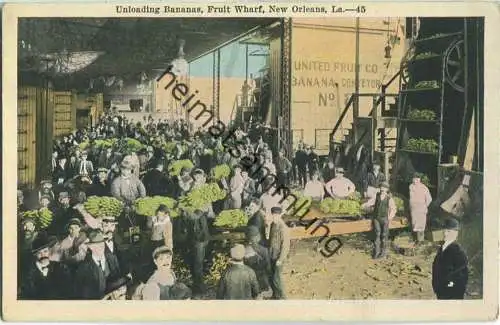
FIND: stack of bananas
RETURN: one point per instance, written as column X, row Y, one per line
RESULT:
column 341, row 207
column 43, row 217
column 103, row 206
column 147, row 206
column 200, row 197
column 220, row 171
column 174, row 169
column 231, row 219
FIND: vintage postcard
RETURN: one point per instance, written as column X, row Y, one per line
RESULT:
column 249, row 161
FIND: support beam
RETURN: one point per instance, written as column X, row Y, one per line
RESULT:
column 284, row 137
column 355, row 111
column 216, row 85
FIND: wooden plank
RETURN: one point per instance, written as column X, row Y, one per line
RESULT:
column 26, row 136
column 341, row 228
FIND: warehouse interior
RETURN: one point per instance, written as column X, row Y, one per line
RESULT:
column 71, row 71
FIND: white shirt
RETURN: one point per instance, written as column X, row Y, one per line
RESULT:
column 110, row 245
column 340, row 187
column 101, row 262
column 314, row 189
column 43, row 270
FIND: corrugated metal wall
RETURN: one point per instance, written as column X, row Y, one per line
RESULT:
column 27, row 100
column 64, row 113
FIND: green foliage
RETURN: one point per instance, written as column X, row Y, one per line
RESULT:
column 175, row 167
column 42, row 217
column 301, row 200
column 400, row 203
column 422, row 145
column 221, row 171
column 341, row 207
column 427, row 84
column 181, row 270
column 133, row 145
column 147, row 206
column 103, row 206
column 231, row 219
column 422, row 114
column 199, row 198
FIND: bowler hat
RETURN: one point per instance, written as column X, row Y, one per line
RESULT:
column 63, row 195
column 276, row 210
column 116, row 284
column 102, row 170
column 96, row 237
column 42, row 241
column 451, row 224
column 238, row 252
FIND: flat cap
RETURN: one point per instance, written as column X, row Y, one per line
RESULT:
column 238, row 252
column 161, row 250
column 451, row 224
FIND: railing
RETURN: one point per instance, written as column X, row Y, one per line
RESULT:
column 378, row 98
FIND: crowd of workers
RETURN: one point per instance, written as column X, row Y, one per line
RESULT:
column 79, row 256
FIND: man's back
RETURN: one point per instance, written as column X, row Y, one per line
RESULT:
column 238, row 283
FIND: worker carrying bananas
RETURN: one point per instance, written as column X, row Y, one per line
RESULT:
column 420, row 199
column 384, row 210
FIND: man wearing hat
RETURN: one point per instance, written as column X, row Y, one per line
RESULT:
column 127, row 187
column 450, row 272
column 62, row 214
column 160, row 284
column 257, row 257
column 155, row 181
column 44, row 279
column 420, row 199
column 340, row 187
column 71, row 250
column 117, row 263
column 93, row 273
column 239, row 281
column 85, row 168
column 28, row 235
column 117, row 289
column 384, row 210
column 279, row 247
column 100, row 186
column 46, row 190
column 374, row 179
column 107, row 158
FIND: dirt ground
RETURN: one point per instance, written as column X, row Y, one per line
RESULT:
column 352, row 274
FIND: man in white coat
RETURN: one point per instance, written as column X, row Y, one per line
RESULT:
column 420, row 199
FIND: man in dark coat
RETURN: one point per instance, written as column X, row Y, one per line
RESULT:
column 312, row 161
column 92, row 273
column 279, row 247
column 100, row 186
column 256, row 218
column 239, row 282
column 300, row 162
column 257, row 257
column 45, row 280
column 115, row 258
column 155, row 181
column 449, row 270
column 198, row 234
column 62, row 214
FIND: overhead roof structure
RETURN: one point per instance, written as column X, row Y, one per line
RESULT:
column 130, row 46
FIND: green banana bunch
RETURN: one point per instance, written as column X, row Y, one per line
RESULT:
column 220, row 171
column 220, row 263
column 103, row 206
column 42, row 217
column 231, row 219
column 147, row 206
column 176, row 166
column 341, row 207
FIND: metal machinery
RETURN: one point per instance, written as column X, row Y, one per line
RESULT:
column 438, row 88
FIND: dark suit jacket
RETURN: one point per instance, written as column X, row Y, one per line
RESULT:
column 106, row 162
column 239, row 282
column 55, row 286
column 90, row 281
column 257, row 220
column 450, row 265
column 155, row 182
column 375, row 181
column 116, row 261
column 261, row 264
